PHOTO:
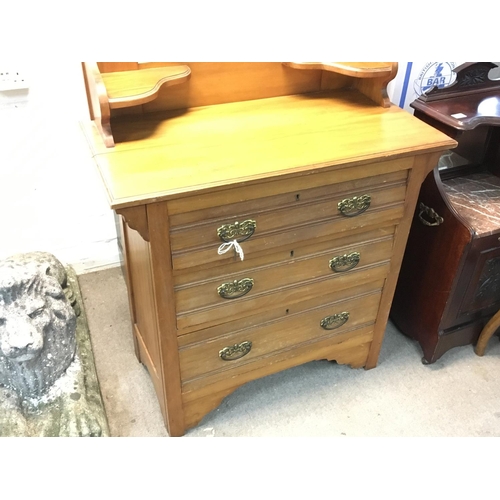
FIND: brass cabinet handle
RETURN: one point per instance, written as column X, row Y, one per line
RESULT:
column 235, row 289
column 436, row 219
column 346, row 262
column 350, row 207
column 236, row 351
column 239, row 231
column 335, row 321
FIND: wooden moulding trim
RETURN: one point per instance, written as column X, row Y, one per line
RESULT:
column 137, row 219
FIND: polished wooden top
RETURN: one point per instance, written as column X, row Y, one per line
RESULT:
column 171, row 154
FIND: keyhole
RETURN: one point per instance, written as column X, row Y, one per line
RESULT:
column 287, row 311
column 291, row 253
column 297, row 197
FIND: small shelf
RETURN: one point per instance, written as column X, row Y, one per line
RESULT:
column 116, row 90
column 131, row 88
column 369, row 78
column 355, row 69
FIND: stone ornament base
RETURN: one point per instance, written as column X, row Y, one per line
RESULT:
column 73, row 407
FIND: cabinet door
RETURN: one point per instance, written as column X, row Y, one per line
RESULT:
column 482, row 295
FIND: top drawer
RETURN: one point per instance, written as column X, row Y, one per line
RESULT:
column 215, row 204
column 265, row 224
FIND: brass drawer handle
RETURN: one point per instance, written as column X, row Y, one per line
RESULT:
column 335, row 321
column 346, row 262
column 236, row 351
column 429, row 212
column 350, row 207
column 237, row 231
column 235, row 289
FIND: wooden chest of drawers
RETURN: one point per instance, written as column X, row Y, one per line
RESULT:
column 261, row 234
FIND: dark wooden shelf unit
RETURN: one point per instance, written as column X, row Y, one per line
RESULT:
column 449, row 285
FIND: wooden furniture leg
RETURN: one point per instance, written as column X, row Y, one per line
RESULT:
column 486, row 333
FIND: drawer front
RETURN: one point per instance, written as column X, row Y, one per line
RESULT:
column 260, row 245
column 245, row 347
column 247, row 228
column 373, row 280
column 221, row 205
column 183, row 210
column 280, row 299
column 253, row 282
column 295, row 251
column 205, row 393
column 281, row 229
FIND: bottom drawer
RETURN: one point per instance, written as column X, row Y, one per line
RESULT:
column 202, row 395
column 225, row 353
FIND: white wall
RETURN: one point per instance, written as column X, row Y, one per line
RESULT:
column 51, row 197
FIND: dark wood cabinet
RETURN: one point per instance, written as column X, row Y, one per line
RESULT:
column 449, row 284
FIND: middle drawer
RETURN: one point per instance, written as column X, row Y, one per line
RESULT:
column 326, row 264
column 226, row 297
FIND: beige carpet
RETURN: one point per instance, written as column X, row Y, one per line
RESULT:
column 459, row 395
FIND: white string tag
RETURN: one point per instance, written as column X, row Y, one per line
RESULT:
column 225, row 247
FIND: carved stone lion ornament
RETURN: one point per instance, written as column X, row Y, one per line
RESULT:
column 42, row 388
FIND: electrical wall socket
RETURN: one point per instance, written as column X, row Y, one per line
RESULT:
column 12, row 80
